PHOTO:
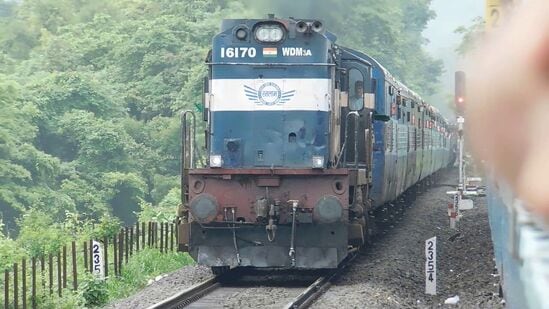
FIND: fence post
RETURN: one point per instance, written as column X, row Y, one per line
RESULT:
column 131, row 240
column 177, row 235
column 65, row 266
column 171, row 237
column 24, row 281
column 149, row 235
column 74, row 267
column 43, row 272
column 33, row 282
column 154, row 244
column 143, row 234
column 106, row 256
column 137, row 237
column 115, row 255
column 15, row 286
column 91, row 255
column 50, row 268
column 155, row 235
column 59, row 284
column 161, row 237
column 126, row 245
column 86, row 255
column 6, row 289
column 167, row 236
column 120, row 252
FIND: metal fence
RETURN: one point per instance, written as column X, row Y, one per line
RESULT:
column 53, row 273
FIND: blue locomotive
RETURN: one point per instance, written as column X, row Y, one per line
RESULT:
column 304, row 138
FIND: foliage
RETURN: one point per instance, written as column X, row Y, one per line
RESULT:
column 9, row 252
column 145, row 265
column 69, row 300
column 40, row 234
column 470, row 35
column 94, row 291
column 165, row 211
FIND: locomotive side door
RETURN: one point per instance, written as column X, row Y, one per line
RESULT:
column 358, row 96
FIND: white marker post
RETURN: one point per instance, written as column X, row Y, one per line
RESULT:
column 431, row 266
column 97, row 259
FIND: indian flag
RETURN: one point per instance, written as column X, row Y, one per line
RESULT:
column 270, row 52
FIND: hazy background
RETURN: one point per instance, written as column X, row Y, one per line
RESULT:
column 451, row 14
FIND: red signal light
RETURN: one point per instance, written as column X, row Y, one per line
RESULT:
column 460, row 92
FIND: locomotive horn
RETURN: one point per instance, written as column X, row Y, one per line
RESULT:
column 317, row 26
column 301, row 26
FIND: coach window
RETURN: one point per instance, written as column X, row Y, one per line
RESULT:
column 356, row 90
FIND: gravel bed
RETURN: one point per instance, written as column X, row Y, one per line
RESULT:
column 164, row 288
column 267, row 297
column 390, row 274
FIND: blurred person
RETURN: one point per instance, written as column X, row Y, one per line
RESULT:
column 357, row 100
column 508, row 108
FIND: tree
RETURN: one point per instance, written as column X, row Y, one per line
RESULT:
column 470, row 35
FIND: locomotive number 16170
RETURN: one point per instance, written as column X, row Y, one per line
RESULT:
column 238, row 52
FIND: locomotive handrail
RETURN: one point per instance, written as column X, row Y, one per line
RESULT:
column 185, row 137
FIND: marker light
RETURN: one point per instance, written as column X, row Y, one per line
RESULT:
column 318, row 162
column 269, row 33
column 241, row 34
column 216, row 161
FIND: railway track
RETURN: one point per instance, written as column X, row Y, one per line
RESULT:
column 293, row 290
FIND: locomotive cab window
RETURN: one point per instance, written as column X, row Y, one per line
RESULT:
column 356, row 90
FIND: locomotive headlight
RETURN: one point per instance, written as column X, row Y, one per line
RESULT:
column 328, row 210
column 318, row 162
column 269, row 33
column 204, row 208
column 216, row 161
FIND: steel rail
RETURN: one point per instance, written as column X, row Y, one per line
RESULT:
column 188, row 296
column 305, row 299
column 321, row 285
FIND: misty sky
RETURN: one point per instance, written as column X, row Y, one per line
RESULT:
column 451, row 14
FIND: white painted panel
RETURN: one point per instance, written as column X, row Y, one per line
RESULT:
column 271, row 95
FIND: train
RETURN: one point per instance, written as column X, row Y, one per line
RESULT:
column 305, row 138
column 520, row 241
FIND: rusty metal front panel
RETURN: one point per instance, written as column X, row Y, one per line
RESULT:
column 241, row 189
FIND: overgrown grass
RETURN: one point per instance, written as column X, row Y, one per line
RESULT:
column 92, row 292
column 143, row 266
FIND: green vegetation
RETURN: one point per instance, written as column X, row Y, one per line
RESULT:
column 89, row 99
column 143, row 266
column 470, row 35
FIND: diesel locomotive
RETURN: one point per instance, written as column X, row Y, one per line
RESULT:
column 304, row 139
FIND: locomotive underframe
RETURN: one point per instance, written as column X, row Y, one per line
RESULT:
column 240, row 233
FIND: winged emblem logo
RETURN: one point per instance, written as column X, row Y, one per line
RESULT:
column 268, row 94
